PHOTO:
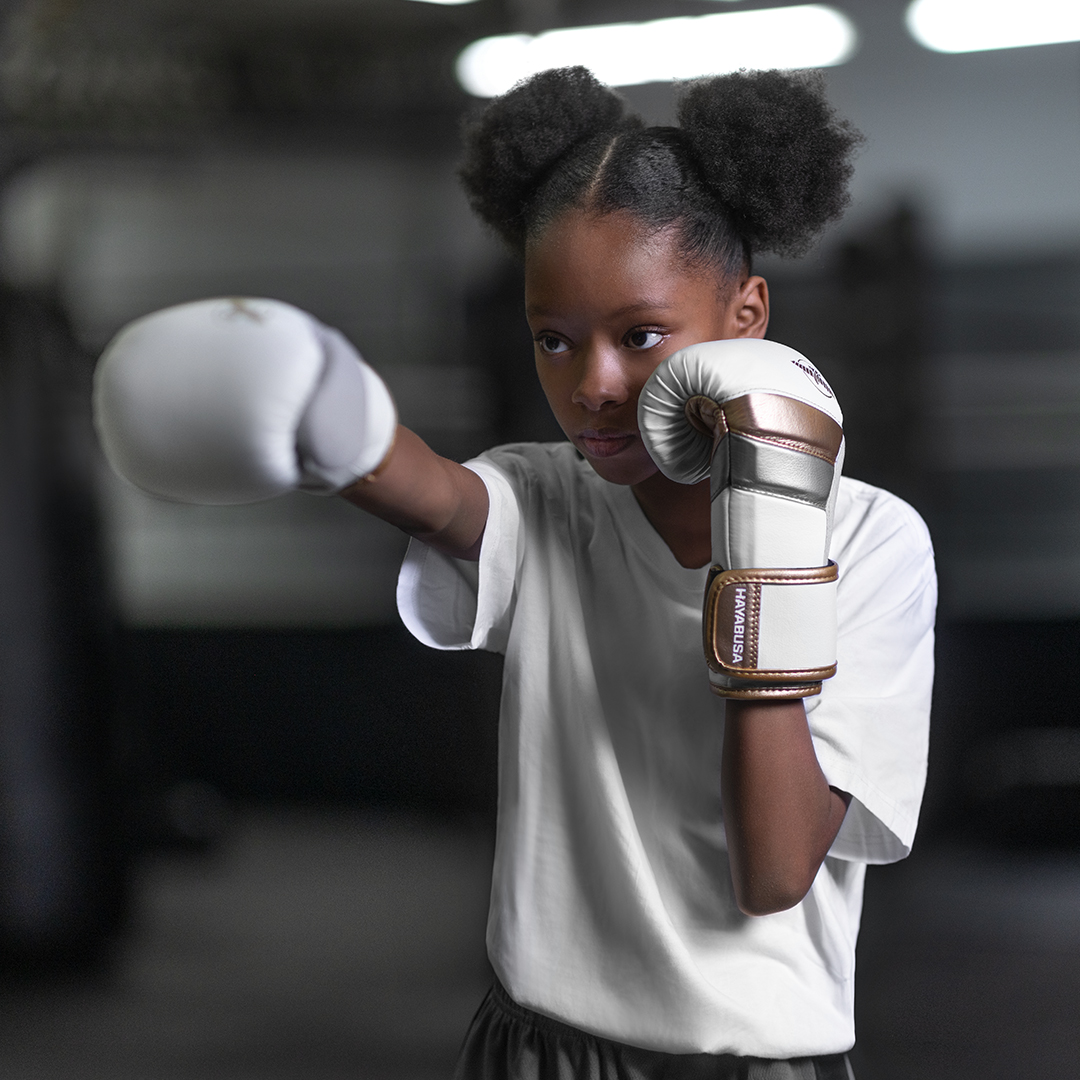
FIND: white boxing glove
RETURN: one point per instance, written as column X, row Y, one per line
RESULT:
column 761, row 421
column 237, row 400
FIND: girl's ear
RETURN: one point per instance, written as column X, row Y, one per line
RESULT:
column 748, row 309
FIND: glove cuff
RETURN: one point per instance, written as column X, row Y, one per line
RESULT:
column 348, row 427
column 770, row 633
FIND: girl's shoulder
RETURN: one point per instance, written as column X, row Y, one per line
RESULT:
column 550, row 468
column 870, row 511
column 880, row 532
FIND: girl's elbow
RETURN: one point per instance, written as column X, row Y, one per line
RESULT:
column 767, row 896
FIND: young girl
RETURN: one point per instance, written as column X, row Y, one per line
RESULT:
column 678, row 875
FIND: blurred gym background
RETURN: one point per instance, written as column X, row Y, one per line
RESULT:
column 245, row 821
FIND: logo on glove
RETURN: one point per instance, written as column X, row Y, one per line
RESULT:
column 739, row 631
column 813, row 375
column 240, row 305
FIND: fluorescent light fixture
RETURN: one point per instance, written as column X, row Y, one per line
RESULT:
column 955, row 26
column 448, row 2
column 624, row 54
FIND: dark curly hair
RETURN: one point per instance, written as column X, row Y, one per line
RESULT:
column 759, row 162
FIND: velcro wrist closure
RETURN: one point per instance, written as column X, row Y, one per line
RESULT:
column 770, row 632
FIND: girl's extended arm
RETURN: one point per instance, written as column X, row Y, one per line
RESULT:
column 780, row 814
column 234, row 400
column 430, row 497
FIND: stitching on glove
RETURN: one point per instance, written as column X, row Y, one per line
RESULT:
column 787, row 443
column 759, row 693
column 802, row 575
column 785, row 421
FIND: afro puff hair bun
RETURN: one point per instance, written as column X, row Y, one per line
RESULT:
column 772, row 151
column 520, row 137
column 759, row 161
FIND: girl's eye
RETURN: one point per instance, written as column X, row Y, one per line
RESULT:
column 644, row 339
column 551, row 344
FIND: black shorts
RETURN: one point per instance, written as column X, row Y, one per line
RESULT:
column 508, row 1042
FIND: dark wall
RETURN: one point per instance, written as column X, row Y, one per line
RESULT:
column 882, row 318
column 366, row 716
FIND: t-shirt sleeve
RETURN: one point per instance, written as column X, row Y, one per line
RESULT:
column 452, row 603
column 871, row 722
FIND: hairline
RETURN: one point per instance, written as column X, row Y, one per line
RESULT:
column 727, row 279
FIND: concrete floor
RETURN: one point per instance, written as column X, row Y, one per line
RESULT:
column 325, row 947
column 311, row 946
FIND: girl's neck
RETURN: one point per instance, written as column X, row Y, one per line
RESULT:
column 680, row 514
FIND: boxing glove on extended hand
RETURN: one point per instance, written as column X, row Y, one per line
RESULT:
column 237, row 400
column 760, row 421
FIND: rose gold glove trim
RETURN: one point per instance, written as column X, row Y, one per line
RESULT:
column 785, row 422
column 763, row 693
column 704, row 415
column 730, row 620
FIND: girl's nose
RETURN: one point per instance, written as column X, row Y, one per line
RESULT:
column 602, row 380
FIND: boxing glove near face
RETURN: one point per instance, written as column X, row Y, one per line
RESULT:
column 761, row 422
column 238, row 400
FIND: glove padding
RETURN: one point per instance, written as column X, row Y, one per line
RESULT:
column 237, row 400
column 760, row 421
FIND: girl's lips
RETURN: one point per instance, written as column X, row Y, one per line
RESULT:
column 603, row 444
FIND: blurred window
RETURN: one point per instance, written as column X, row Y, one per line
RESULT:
column 956, row 26
column 663, row 50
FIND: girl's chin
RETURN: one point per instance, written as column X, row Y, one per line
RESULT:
column 627, row 468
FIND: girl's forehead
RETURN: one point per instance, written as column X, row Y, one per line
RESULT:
column 613, row 259
column 590, row 231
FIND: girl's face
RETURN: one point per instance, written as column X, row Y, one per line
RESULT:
column 607, row 299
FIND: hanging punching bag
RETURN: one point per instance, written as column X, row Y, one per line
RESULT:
column 61, row 856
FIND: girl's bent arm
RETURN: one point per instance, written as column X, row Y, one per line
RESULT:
column 780, row 814
column 429, row 497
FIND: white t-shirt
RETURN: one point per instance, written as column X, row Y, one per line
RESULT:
column 612, row 906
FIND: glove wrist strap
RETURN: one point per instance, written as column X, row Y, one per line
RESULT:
column 770, row 632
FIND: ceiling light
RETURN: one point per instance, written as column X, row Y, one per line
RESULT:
column 954, row 26
column 624, row 54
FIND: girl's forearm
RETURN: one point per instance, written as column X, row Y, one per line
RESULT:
column 429, row 497
column 780, row 814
